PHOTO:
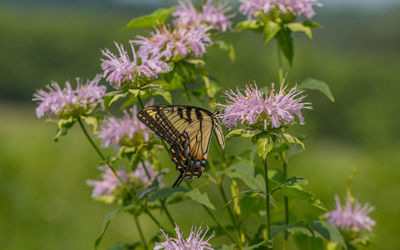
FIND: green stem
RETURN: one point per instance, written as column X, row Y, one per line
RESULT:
column 267, row 194
column 234, row 221
column 140, row 102
column 123, row 183
column 286, row 200
column 164, row 206
column 140, row 231
column 146, row 210
column 280, row 68
column 187, row 93
column 217, row 221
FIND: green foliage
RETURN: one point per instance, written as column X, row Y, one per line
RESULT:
column 247, row 173
column 310, row 83
column 166, row 193
column 106, row 223
column 297, row 192
column 327, row 231
column 265, row 144
column 285, row 42
column 62, row 127
column 201, row 198
column 270, row 30
column 156, row 18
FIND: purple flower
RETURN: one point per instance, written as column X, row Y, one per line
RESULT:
column 146, row 173
column 252, row 8
column 109, row 183
column 178, row 43
column 210, row 15
column 120, row 69
column 249, row 106
column 121, row 131
column 352, row 216
column 58, row 101
column 195, row 241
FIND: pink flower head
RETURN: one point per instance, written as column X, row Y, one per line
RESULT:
column 180, row 42
column 146, row 173
column 195, row 240
column 114, row 130
column 57, row 101
column 119, row 69
column 252, row 8
column 211, row 15
column 352, row 216
column 250, row 106
column 109, row 183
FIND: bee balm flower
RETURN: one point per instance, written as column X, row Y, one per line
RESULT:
column 251, row 107
column 195, row 240
column 69, row 101
column 352, row 216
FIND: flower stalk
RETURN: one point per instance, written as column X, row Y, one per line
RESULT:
column 267, row 207
column 143, row 239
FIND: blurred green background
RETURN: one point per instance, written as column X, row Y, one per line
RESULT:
column 45, row 203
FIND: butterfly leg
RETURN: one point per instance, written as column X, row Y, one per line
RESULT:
column 179, row 180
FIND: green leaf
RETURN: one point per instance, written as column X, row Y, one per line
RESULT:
column 106, row 223
column 285, row 42
column 278, row 229
column 291, row 139
column 91, row 121
column 300, row 194
column 290, row 182
column 304, row 241
column 226, row 247
column 247, row 173
column 262, row 243
column 165, row 193
column 212, row 86
column 300, row 27
column 327, row 231
column 113, row 97
column 310, row 83
column 264, row 145
column 253, row 25
column 228, row 47
column 294, row 149
column 270, row 30
column 201, row 198
column 165, row 94
column 312, row 25
column 240, row 133
column 157, row 17
column 62, row 127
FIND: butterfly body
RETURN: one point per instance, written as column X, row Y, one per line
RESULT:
column 187, row 130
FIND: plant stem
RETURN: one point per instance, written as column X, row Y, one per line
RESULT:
column 217, row 221
column 140, row 102
column 187, row 93
column 164, row 206
column 140, row 231
column 123, row 183
column 269, row 237
column 286, row 199
column 280, row 68
column 234, row 221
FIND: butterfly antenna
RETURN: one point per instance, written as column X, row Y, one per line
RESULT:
column 179, row 180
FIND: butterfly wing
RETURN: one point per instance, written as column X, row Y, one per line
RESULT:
column 168, row 122
column 188, row 131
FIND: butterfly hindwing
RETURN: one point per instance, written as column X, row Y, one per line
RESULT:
column 188, row 131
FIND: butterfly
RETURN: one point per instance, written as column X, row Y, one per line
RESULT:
column 187, row 130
